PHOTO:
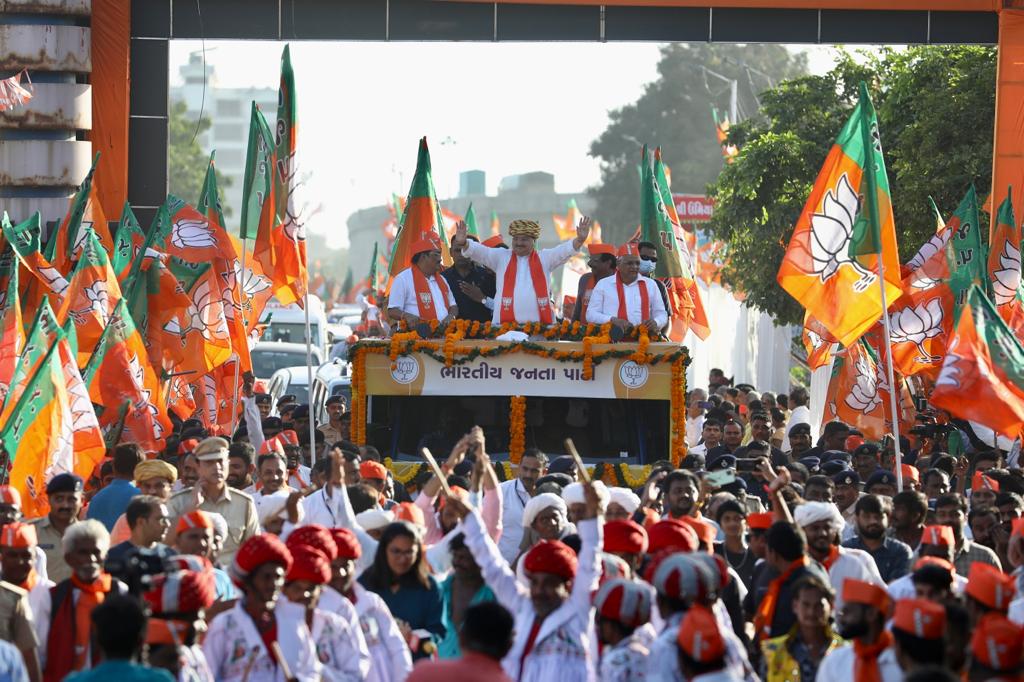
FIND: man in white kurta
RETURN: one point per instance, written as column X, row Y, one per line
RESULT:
column 523, row 302
column 606, row 306
column 403, row 302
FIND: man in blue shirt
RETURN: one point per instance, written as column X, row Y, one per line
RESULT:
column 108, row 504
column 891, row 556
column 119, row 625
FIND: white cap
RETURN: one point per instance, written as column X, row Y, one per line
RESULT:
column 372, row 519
column 541, row 502
column 573, row 493
column 625, row 498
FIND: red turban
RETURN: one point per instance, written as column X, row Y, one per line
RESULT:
column 627, row 537
column 181, row 592
column 347, row 543
column 309, row 563
column 671, row 534
column 258, row 550
column 18, row 535
column 371, row 469
column 316, row 537
column 551, row 556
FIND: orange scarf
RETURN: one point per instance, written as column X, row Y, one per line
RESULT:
column 424, row 299
column 766, row 611
column 540, row 289
column 865, row 668
column 833, row 554
column 92, row 595
column 31, row 581
column 645, row 302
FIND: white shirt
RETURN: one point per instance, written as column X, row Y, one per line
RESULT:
column 234, row 649
column 525, row 299
column 389, row 654
column 903, row 587
column 856, row 564
column 340, row 645
column 694, row 429
column 839, row 664
column 513, row 502
column 403, row 295
column 604, row 302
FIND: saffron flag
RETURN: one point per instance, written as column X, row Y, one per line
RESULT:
column 495, row 224
column 89, row 447
column 13, row 93
column 841, row 242
column 202, row 327
column 12, row 331
column 1004, row 263
column 129, row 242
column 120, row 371
column 41, row 337
column 818, row 342
column 24, row 237
column 421, row 218
column 729, row 151
column 982, row 376
column 858, row 391
column 91, row 298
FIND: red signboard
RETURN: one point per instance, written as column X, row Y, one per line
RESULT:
column 693, row 208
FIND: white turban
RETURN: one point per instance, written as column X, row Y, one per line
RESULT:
column 372, row 519
column 541, row 502
column 274, row 505
column 625, row 498
column 573, row 493
column 812, row 512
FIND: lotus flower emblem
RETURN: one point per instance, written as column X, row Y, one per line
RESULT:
column 814, row 338
column 144, row 403
column 203, row 315
column 192, row 234
column 832, row 231
column 929, row 249
column 916, row 325
column 1006, row 280
column 864, row 395
column 294, row 230
column 54, row 280
column 62, row 457
column 99, row 300
column 252, row 283
column 951, row 372
column 83, row 416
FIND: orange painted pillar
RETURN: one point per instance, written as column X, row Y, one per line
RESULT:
column 1008, row 140
column 111, row 42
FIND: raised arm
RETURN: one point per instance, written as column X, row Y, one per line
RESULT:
column 496, row 572
column 588, row 570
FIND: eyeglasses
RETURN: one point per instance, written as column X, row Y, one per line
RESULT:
column 653, row 259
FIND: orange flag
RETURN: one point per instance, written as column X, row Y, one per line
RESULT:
column 818, row 342
column 12, row 330
column 91, row 298
column 84, row 213
column 1004, row 264
column 858, row 391
column 89, row 447
column 845, row 231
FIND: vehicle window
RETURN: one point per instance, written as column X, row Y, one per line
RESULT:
column 266, row 362
column 345, row 390
column 291, row 332
column 301, row 392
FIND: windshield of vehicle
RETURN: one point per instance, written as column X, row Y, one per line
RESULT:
column 291, row 332
column 301, row 393
column 265, row 362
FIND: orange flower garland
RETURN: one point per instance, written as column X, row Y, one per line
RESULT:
column 516, row 427
column 678, row 411
column 357, row 426
column 641, row 357
column 588, row 349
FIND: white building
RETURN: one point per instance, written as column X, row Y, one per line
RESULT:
column 228, row 109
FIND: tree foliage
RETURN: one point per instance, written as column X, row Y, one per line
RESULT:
column 186, row 159
column 935, row 108
column 675, row 112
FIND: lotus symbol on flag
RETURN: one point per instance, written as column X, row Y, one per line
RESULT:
column 83, row 417
column 200, row 317
column 1006, row 280
column 916, row 325
column 189, row 233
column 62, row 458
column 294, row 230
column 99, row 300
column 144, row 403
column 252, row 283
column 864, row 394
column 950, row 375
column 832, row 231
column 815, row 339
column 929, row 249
column 54, row 280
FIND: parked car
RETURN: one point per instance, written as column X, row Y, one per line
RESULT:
column 270, row 356
column 294, row 380
column 332, row 378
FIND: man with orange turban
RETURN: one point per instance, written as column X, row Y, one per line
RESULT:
column 870, row 656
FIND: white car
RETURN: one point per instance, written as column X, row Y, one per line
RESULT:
column 294, row 380
column 270, row 356
column 332, row 378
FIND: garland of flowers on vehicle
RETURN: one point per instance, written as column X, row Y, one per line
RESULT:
column 357, row 426
column 617, row 474
column 467, row 329
column 678, row 408
column 516, row 427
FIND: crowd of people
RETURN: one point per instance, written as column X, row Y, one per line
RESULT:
column 767, row 553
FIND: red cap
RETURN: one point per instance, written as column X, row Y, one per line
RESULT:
column 310, row 564
column 934, row 561
column 551, row 556
column 627, row 537
column 760, row 521
column 982, row 482
column 853, row 442
column 493, row 242
column 347, row 543
column 598, row 249
column 288, row 437
column 920, row 618
column 188, row 445
column 612, row 567
column 258, row 550
column 706, row 533
column 860, row 592
column 997, row 642
column 682, row 577
column 625, row 601
column 18, row 535
column 422, row 245
column 938, row 535
column 407, row 511
column 629, row 249
column 910, row 473
column 699, row 636
column 371, row 469
column 990, row 586
column 671, row 534
column 181, row 592
column 314, row 536
column 193, row 519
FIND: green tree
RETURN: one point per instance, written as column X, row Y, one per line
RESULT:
column 675, row 112
column 186, row 159
column 935, row 109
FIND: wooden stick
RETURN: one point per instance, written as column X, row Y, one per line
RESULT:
column 580, row 467
column 281, row 661
column 432, row 463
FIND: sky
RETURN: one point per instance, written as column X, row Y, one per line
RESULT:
column 505, row 108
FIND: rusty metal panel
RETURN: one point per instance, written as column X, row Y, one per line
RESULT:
column 45, row 48
column 66, row 106
column 78, row 8
column 43, row 163
column 50, row 208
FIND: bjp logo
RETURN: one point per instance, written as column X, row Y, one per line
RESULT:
column 632, row 375
column 405, row 369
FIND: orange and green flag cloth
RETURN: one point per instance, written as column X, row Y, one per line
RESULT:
column 1004, row 262
column 845, row 234
column 818, row 342
column 89, row 446
column 858, row 392
column 128, row 244
column 729, row 151
column 421, row 218
column 970, row 259
column 91, row 298
column 120, row 371
column 982, row 376
column 202, row 327
column 25, row 238
column 84, row 213
column 12, row 330
column 471, row 227
column 258, row 181
column 41, row 337
column 495, row 224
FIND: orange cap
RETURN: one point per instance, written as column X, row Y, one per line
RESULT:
column 18, row 535
column 700, row 637
column 997, row 642
column 371, row 469
column 938, row 535
column 706, row 533
column 853, row 442
column 629, row 249
column 598, row 249
column 194, row 519
column 761, row 521
column 982, row 482
column 920, row 618
column 493, row 242
column 407, row 511
column 421, row 245
column 990, row 586
column 934, row 561
column 860, row 592
column 910, row 473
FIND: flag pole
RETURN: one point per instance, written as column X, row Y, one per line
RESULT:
column 309, row 360
column 892, row 382
column 240, row 283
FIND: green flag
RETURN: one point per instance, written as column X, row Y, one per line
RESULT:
column 129, row 237
column 209, row 202
column 669, row 262
column 41, row 338
column 258, row 180
column 471, row 222
column 373, row 271
column 655, row 226
column 970, row 262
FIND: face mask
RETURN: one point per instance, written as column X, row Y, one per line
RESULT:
column 647, row 267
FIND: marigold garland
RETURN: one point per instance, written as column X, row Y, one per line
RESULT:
column 588, row 349
column 616, row 474
column 516, row 427
column 678, row 410
column 357, row 426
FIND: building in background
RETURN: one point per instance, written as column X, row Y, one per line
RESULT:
column 529, row 195
column 228, row 109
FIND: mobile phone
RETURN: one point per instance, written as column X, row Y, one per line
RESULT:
column 721, row 477
column 706, row 405
column 747, row 464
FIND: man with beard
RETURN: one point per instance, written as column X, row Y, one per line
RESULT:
column 892, row 557
column 240, row 465
column 870, row 655
column 64, row 491
column 799, row 440
column 249, row 641
column 821, row 523
column 909, row 512
column 463, row 588
column 951, row 510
